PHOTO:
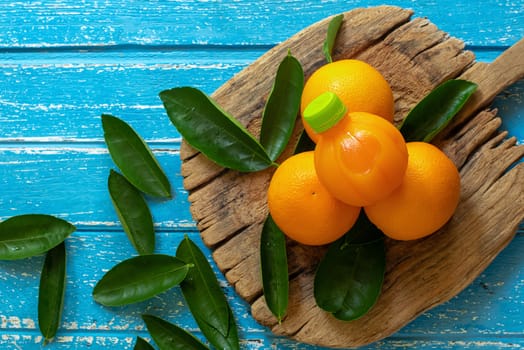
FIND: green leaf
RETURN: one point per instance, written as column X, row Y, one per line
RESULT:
column 51, row 291
column 133, row 212
column 206, row 300
column 171, row 337
column 27, row 235
column 142, row 344
column 282, row 107
column 364, row 231
column 349, row 278
column 334, row 26
column 273, row 262
column 209, row 129
column 436, row 110
column 139, row 278
column 134, row 158
column 304, row 143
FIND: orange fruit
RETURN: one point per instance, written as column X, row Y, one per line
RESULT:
column 302, row 207
column 426, row 199
column 359, row 85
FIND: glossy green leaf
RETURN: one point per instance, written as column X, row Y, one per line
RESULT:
column 206, row 299
column 364, row 231
column 171, row 337
column 209, row 129
column 133, row 212
column 139, row 278
column 282, row 107
column 273, row 262
column 142, row 344
column 51, row 291
column 134, row 158
column 304, row 143
column 349, row 278
column 436, row 110
column 334, row 26
column 27, row 235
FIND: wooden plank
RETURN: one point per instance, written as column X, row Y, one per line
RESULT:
column 65, row 23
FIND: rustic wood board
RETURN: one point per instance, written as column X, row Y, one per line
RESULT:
column 414, row 56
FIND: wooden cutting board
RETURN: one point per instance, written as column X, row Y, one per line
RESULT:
column 414, row 56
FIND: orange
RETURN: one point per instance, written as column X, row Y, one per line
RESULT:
column 360, row 86
column 426, row 199
column 302, row 207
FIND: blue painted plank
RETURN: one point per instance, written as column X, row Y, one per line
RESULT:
column 31, row 341
column 63, row 63
column 61, row 95
column 70, row 181
column 493, row 300
column 176, row 22
column 90, row 255
column 510, row 105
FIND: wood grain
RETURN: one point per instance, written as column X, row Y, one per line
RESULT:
column 414, row 56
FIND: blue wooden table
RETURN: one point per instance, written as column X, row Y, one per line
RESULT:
column 63, row 63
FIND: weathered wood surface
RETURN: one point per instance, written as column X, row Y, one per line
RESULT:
column 63, row 63
column 414, row 56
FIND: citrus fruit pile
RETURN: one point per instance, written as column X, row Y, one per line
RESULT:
column 360, row 162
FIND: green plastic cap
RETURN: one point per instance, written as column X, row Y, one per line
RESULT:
column 324, row 111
